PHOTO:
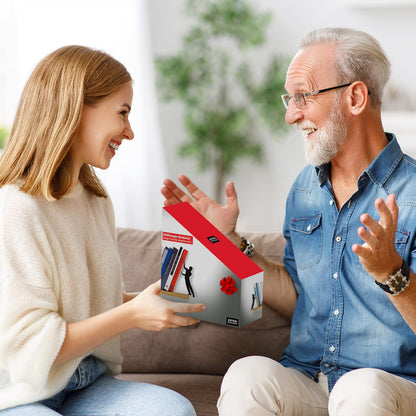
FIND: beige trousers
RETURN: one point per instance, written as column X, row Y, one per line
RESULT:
column 259, row 386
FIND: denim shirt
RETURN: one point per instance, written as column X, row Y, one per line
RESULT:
column 343, row 320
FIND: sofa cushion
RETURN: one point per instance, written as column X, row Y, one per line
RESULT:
column 205, row 348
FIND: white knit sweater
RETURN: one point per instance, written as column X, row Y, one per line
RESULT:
column 58, row 264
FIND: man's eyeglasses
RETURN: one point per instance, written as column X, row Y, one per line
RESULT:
column 299, row 97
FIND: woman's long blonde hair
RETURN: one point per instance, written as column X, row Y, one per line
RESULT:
column 38, row 153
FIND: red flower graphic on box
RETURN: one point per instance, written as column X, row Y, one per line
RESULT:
column 228, row 285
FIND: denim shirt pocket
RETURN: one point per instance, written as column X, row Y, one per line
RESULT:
column 306, row 234
column 400, row 241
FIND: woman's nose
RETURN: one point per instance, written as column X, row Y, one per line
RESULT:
column 128, row 131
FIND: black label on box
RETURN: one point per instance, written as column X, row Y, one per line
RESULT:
column 213, row 239
column 232, row 321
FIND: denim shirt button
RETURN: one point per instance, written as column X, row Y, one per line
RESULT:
column 338, row 239
column 336, row 312
column 332, row 348
column 335, row 275
column 331, row 202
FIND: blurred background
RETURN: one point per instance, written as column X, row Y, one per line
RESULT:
column 184, row 102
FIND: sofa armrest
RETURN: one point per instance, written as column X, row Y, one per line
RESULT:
column 205, row 348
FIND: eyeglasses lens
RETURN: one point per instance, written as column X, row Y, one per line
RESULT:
column 285, row 99
column 299, row 99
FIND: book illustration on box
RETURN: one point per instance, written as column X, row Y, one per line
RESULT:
column 257, row 296
column 173, row 261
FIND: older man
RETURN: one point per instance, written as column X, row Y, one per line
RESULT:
column 346, row 282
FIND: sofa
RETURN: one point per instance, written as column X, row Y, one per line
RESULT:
column 192, row 360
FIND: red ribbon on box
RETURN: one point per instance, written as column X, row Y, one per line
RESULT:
column 228, row 285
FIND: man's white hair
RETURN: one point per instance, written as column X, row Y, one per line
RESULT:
column 359, row 57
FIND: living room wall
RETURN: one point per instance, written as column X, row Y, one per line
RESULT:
column 262, row 188
column 30, row 29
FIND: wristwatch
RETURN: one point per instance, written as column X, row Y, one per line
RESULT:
column 397, row 282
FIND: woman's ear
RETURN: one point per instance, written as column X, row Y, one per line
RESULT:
column 358, row 97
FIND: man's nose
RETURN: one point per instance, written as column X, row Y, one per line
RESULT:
column 293, row 113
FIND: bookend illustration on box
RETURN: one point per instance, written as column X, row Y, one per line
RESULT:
column 200, row 265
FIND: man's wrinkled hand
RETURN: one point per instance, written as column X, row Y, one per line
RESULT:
column 222, row 217
column 378, row 254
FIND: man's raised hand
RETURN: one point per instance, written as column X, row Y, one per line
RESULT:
column 222, row 217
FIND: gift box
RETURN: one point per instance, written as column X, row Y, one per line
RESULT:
column 200, row 265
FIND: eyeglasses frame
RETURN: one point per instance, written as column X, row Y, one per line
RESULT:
column 308, row 94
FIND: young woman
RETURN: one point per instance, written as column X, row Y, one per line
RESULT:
column 62, row 307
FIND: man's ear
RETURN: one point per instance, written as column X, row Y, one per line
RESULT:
column 358, row 97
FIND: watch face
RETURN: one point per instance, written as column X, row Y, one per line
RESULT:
column 398, row 283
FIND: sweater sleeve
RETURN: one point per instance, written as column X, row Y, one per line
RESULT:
column 32, row 330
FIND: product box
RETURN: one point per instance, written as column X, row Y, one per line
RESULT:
column 200, row 265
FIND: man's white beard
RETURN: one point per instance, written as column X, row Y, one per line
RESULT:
column 328, row 140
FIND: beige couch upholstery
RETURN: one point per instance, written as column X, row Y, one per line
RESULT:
column 192, row 360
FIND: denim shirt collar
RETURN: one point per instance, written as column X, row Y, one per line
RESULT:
column 379, row 169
